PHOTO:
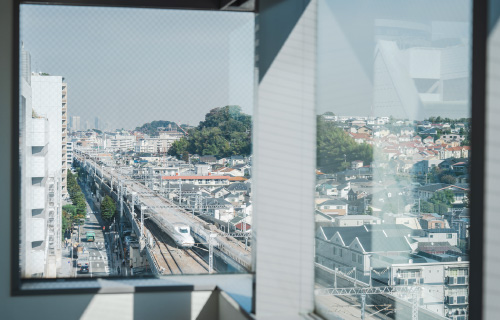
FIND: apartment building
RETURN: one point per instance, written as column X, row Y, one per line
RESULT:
column 75, row 123
column 69, row 154
column 48, row 102
column 38, row 254
column 444, row 279
column 119, row 142
column 64, row 139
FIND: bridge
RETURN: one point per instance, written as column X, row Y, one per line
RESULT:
column 151, row 213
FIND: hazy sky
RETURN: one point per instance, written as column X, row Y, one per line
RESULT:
column 131, row 66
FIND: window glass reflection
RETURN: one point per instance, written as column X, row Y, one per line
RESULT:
column 393, row 150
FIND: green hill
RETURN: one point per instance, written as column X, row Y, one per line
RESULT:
column 225, row 132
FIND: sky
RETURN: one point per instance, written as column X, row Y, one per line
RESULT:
column 131, row 66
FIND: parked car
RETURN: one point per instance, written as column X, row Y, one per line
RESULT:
column 84, row 269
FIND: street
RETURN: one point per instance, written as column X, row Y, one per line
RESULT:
column 99, row 250
column 103, row 257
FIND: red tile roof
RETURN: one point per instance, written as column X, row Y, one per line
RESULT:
column 239, row 226
column 195, row 177
column 237, row 179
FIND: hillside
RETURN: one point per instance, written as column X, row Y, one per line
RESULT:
column 225, row 132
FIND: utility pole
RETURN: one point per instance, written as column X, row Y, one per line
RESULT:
column 414, row 305
column 211, row 252
column 120, row 197
column 142, row 221
column 363, row 305
column 180, row 192
column 335, row 279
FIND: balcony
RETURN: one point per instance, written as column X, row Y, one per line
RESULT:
column 456, row 300
column 39, row 132
column 38, row 198
column 38, row 167
column 37, row 229
column 409, row 281
column 457, row 281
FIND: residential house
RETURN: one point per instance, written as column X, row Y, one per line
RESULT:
column 355, row 220
column 218, row 209
column 428, row 139
column 365, row 130
column 407, row 131
column 352, row 246
column 333, row 207
column 433, row 221
column 235, row 160
column 426, row 192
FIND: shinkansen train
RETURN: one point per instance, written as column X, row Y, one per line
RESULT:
column 180, row 232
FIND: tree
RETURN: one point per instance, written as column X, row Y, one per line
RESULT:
column 440, row 202
column 449, row 179
column 425, row 207
column 185, row 156
column 336, row 149
column 224, row 132
column 151, row 128
column 70, row 209
column 65, row 221
column 108, row 208
column 445, row 196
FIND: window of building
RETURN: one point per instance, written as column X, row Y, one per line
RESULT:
column 404, row 74
column 110, row 211
column 372, row 77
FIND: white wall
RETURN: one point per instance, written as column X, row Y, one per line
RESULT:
column 284, row 142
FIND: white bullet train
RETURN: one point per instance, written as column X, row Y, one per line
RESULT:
column 179, row 231
column 182, row 235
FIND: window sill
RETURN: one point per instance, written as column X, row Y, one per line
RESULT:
column 239, row 285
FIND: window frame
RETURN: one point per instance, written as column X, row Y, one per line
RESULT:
column 478, row 112
column 57, row 286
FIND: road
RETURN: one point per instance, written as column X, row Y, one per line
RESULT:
column 99, row 250
column 113, row 249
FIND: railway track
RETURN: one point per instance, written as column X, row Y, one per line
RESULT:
column 175, row 259
column 196, row 256
column 165, row 252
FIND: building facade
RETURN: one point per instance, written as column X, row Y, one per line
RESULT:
column 39, row 256
column 48, row 102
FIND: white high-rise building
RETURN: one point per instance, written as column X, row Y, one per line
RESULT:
column 48, row 100
column 97, row 123
column 75, row 123
column 38, row 255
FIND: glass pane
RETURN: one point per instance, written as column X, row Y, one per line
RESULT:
column 135, row 141
column 393, row 150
